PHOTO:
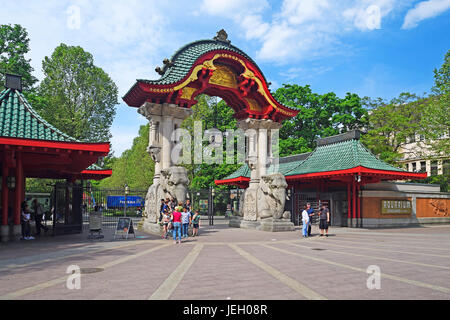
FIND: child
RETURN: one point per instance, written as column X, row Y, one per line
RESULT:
column 186, row 221
column 195, row 223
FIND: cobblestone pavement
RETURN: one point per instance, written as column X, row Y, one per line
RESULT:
column 227, row 263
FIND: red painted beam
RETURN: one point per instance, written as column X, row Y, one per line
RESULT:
column 101, row 147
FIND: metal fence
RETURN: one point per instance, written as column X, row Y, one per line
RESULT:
column 113, row 204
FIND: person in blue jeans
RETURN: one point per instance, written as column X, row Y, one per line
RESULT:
column 176, row 220
column 186, row 221
column 305, row 221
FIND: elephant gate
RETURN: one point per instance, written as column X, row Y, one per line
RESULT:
column 215, row 68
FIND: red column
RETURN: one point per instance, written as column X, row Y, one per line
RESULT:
column 349, row 202
column 5, row 190
column 19, row 189
column 354, row 200
column 358, row 204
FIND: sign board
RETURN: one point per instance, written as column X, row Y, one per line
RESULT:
column 396, row 207
column 124, row 227
column 95, row 220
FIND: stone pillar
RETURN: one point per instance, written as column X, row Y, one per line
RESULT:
column 263, row 202
column 167, row 180
column 167, row 128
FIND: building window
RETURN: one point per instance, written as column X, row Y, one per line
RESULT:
column 422, row 137
column 423, row 166
column 446, row 167
column 434, row 168
column 414, row 167
column 412, row 138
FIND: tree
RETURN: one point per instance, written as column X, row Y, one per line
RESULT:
column 14, row 45
column 393, row 124
column 213, row 114
column 134, row 167
column 80, row 98
column 320, row 116
column 436, row 120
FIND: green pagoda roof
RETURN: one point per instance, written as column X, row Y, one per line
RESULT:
column 182, row 61
column 340, row 152
column 19, row 120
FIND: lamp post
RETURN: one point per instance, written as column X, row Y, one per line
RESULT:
column 127, row 190
column 212, row 206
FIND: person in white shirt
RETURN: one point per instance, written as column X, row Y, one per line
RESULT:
column 305, row 221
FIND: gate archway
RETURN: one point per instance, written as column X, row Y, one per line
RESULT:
column 215, row 68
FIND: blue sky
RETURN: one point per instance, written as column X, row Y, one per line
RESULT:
column 376, row 48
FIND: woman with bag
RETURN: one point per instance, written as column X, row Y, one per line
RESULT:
column 176, row 222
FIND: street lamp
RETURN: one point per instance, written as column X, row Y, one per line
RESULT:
column 127, row 191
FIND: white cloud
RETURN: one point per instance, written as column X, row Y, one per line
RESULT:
column 302, row 29
column 424, row 10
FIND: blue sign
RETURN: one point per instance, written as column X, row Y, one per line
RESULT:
column 119, row 201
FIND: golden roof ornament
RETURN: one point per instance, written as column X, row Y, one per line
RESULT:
column 222, row 36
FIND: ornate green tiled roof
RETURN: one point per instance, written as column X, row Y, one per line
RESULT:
column 185, row 57
column 338, row 155
column 19, row 120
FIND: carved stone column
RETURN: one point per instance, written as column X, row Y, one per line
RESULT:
column 263, row 201
column 168, row 180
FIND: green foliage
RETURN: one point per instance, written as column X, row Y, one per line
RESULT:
column 320, row 116
column 391, row 124
column 134, row 167
column 436, row 120
column 76, row 96
column 442, row 180
column 14, row 45
column 213, row 114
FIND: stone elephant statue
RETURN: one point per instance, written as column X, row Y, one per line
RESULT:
column 173, row 183
column 271, row 196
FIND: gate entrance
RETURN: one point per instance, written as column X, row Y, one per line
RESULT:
column 300, row 201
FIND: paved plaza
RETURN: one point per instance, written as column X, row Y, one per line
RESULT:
column 233, row 264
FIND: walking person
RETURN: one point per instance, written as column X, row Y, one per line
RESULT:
column 176, row 222
column 324, row 216
column 305, row 222
column 38, row 214
column 187, row 205
column 161, row 209
column 166, row 221
column 186, row 221
column 25, row 218
column 195, row 223
column 310, row 214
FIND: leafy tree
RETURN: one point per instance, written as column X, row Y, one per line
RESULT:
column 76, row 96
column 14, row 45
column 134, row 167
column 320, row 116
column 392, row 124
column 436, row 120
column 213, row 114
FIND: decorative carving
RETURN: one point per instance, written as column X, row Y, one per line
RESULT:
column 155, row 153
column 271, row 196
column 159, row 71
column 223, row 76
column 222, row 36
column 439, row 206
column 253, row 104
column 174, row 183
column 249, row 208
column 151, row 212
column 188, row 92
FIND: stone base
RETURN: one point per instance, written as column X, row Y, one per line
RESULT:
column 4, row 233
column 17, row 232
column 263, row 225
